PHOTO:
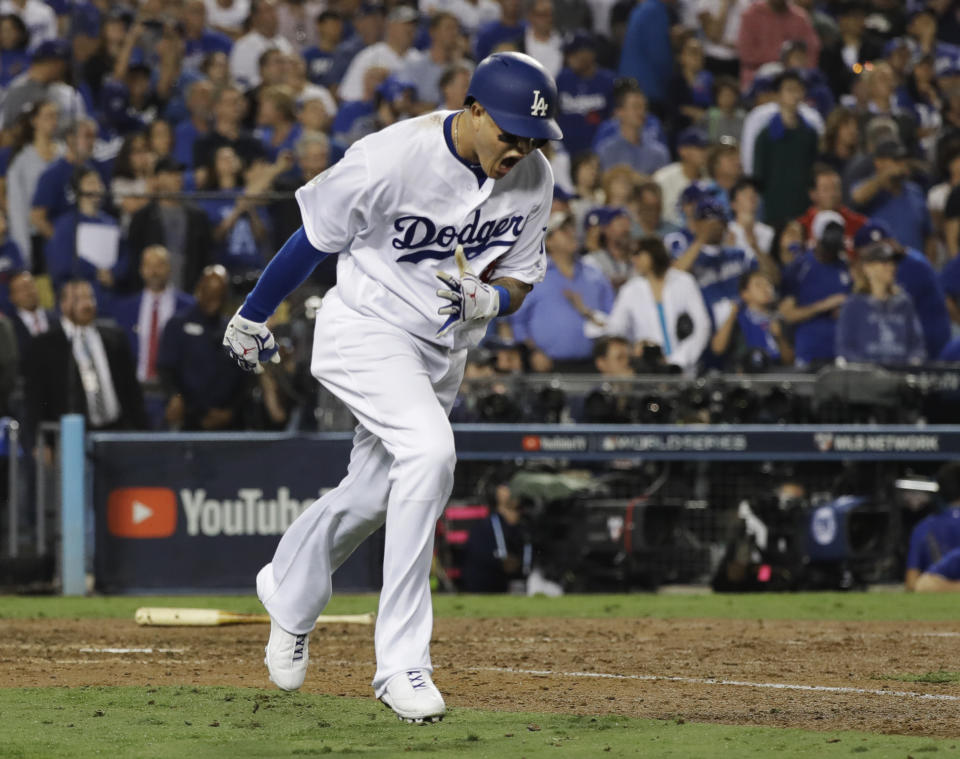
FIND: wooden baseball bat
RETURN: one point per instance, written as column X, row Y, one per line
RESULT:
column 161, row 616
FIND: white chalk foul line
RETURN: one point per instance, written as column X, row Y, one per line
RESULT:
column 717, row 681
column 132, row 650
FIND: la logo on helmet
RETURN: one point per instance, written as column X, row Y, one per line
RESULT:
column 539, row 107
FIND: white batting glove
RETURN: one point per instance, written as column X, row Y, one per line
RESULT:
column 250, row 343
column 468, row 297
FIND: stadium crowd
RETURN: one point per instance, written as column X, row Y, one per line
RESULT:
column 742, row 185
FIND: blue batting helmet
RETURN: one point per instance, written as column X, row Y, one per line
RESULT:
column 518, row 93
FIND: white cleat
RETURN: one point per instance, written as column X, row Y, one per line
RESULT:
column 286, row 653
column 414, row 698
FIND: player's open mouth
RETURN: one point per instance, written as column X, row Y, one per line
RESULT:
column 506, row 164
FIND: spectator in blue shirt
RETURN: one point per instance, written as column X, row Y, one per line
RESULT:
column 891, row 196
column 652, row 126
column 54, row 194
column 918, row 279
column 509, row 28
column 64, row 257
column 753, row 339
column 937, row 535
column 444, row 50
column 943, row 575
column 14, row 58
column 647, row 55
column 11, row 263
column 717, row 267
column 878, row 324
column 630, row 145
column 691, row 87
column 199, row 102
column 277, row 126
column 585, row 94
column 202, row 384
column 325, row 64
column 950, row 281
column 238, row 226
column 563, row 313
column 198, row 39
column 815, row 286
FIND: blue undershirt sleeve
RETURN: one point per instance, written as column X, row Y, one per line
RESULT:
column 293, row 263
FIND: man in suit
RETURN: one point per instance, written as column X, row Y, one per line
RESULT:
column 182, row 228
column 29, row 320
column 143, row 315
column 78, row 366
column 204, row 389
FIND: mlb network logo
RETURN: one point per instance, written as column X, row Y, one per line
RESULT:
column 142, row 513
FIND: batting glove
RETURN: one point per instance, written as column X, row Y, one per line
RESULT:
column 250, row 343
column 468, row 297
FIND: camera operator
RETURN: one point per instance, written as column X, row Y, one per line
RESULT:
column 942, row 576
column 938, row 534
column 498, row 551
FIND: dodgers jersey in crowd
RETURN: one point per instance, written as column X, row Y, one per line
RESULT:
column 397, row 205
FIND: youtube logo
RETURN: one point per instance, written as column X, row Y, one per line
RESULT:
column 142, row 513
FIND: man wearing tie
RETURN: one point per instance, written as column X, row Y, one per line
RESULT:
column 29, row 320
column 144, row 314
column 78, row 366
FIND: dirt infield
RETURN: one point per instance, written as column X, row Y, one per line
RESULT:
column 814, row 675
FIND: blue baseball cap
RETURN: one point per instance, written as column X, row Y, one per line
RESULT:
column 581, row 39
column 710, row 208
column 55, row 49
column 85, row 19
column 691, row 194
column 946, row 66
column 873, row 231
column 692, row 137
column 600, row 217
column 393, row 88
column 765, row 80
column 897, row 43
column 368, row 9
column 138, row 61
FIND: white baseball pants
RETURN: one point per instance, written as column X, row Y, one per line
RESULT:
column 401, row 390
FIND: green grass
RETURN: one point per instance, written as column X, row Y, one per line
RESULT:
column 941, row 676
column 178, row 722
column 871, row 606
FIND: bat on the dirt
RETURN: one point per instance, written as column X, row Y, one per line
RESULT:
column 159, row 616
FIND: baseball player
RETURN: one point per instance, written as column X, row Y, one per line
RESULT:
column 439, row 224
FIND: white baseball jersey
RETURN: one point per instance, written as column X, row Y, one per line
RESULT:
column 397, row 205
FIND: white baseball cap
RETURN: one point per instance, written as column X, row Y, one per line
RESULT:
column 821, row 220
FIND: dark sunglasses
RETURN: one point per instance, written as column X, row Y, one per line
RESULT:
column 515, row 140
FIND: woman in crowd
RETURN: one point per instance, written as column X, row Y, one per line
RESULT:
column 86, row 240
column 878, row 323
column 277, row 126
column 661, row 308
column 752, row 338
column 38, row 148
column 585, row 173
column 691, row 89
column 14, row 58
column 132, row 176
column 160, row 139
column 239, row 227
column 841, row 139
column 725, row 118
